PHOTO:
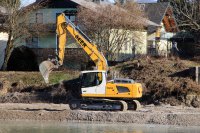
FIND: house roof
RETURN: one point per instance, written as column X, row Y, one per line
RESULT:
column 93, row 6
column 85, row 3
column 156, row 12
column 57, row 3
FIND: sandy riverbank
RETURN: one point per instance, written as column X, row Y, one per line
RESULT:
column 164, row 115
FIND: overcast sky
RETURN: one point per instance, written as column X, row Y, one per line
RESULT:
column 26, row 2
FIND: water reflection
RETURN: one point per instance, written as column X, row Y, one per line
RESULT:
column 83, row 127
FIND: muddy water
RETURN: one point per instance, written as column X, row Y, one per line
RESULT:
column 84, row 127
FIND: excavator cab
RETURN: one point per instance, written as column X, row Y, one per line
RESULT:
column 93, row 82
column 91, row 79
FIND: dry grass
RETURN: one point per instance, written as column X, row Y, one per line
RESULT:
column 162, row 78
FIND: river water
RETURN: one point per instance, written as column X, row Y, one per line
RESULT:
column 86, row 127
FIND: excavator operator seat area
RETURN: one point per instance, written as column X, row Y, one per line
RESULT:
column 91, row 79
column 93, row 82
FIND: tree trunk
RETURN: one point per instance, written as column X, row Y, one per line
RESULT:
column 8, row 52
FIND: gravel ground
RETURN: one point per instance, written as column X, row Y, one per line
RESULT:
column 163, row 115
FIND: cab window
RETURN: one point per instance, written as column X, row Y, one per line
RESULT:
column 91, row 79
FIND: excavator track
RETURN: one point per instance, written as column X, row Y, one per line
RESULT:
column 134, row 105
column 103, row 104
column 124, row 106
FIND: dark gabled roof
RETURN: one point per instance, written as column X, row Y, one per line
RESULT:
column 74, row 3
column 57, row 3
column 155, row 13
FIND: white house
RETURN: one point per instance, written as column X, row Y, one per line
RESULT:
column 3, row 36
column 161, row 13
column 47, row 16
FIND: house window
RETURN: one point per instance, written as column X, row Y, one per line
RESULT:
column 142, row 7
column 39, row 18
column 126, row 47
column 133, row 42
column 70, row 16
column 96, row 1
column 32, row 42
column 127, row 44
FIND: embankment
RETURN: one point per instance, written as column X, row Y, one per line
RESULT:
column 164, row 115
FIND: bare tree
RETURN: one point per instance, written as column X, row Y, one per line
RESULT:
column 17, row 25
column 110, row 26
column 187, row 14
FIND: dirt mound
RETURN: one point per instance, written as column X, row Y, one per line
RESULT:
column 34, row 94
column 168, row 81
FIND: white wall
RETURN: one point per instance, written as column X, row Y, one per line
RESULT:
column 49, row 17
column 3, row 41
column 164, row 45
column 137, row 39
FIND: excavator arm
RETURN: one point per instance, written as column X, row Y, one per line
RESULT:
column 64, row 25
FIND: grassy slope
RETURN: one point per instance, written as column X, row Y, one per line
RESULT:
column 35, row 78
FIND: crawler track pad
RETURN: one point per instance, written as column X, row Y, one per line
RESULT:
column 45, row 69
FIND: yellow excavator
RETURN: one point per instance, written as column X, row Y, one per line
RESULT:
column 96, row 92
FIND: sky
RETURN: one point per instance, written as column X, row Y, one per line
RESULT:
column 147, row 1
column 27, row 2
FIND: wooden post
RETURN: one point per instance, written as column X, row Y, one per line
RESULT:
column 197, row 74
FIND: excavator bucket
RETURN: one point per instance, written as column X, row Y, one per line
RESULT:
column 45, row 69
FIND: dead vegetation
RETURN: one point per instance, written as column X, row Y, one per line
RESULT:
column 165, row 80
column 168, row 81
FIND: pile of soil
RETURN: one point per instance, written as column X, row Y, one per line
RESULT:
column 165, row 80
column 58, row 93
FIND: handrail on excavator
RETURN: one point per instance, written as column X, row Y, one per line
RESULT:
column 79, row 30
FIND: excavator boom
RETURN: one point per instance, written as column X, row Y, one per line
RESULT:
column 64, row 25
